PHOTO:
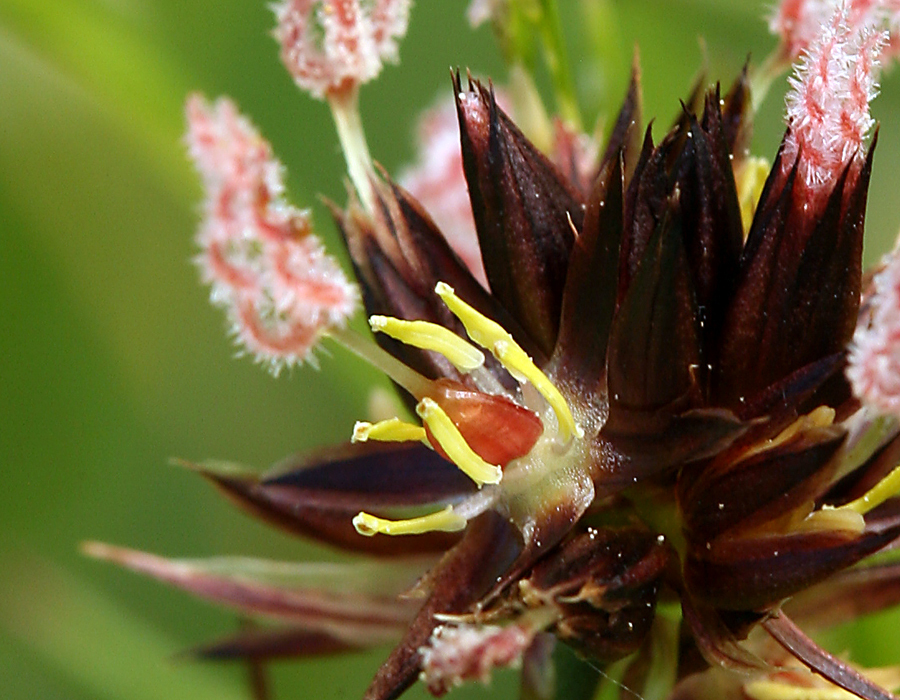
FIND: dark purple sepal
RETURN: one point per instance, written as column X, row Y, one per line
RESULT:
column 782, row 402
column 736, row 112
column 756, row 573
column 589, row 300
column 625, row 137
column 711, row 220
column 524, row 211
column 319, row 495
column 645, row 203
column 654, row 343
column 798, row 293
column 456, row 584
column 839, row 672
column 727, row 496
column 651, row 442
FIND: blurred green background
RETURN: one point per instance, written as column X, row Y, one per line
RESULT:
column 112, row 362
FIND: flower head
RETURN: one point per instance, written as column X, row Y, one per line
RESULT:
column 332, row 46
column 828, row 105
column 264, row 265
column 874, row 361
column 798, row 22
column 645, row 402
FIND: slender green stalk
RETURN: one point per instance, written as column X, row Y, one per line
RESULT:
column 366, row 349
column 558, row 63
column 345, row 112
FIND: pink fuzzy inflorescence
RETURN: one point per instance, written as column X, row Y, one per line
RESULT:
column 462, row 653
column 873, row 366
column 828, row 104
column 265, row 267
column 332, row 46
column 798, row 22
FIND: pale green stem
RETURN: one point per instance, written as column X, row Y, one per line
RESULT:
column 369, row 351
column 558, row 63
column 345, row 111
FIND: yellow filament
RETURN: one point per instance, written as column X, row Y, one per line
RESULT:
column 430, row 336
column 888, row 487
column 445, row 520
column 391, row 430
column 492, row 336
column 455, row 445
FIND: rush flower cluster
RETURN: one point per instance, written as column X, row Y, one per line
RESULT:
column 667, row 381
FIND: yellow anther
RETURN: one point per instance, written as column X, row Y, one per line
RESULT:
column 750, row 179
column 455, row 446
column 445, row 520
column 492, row 336
column 887, row 488
column 391, row 430
column 430, row 336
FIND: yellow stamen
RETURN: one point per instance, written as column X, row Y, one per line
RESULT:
column 750, row 179
column 454, row 444
column 430, row 336
column 492, row 336
column 887, row 488
column 391, row 430
column 445, row 520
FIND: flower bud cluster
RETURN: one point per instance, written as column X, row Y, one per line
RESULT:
column 259, row 255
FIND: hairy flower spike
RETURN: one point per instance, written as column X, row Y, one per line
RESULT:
column 874, row 363
column 798, row 22
column 265, row 267
column 332, row 46
column 828, row 105
column 456, row 654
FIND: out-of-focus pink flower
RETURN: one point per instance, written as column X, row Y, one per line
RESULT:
column 874, row 361
column 456, row 654
column 263, row 264
column 437, row 180
column 331, row 46
column 798, row 22
column 828, row 105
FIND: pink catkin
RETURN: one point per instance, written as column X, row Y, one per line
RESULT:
column 456, row 654
column 874, row 361
column 332, row 46
column 798, row 22
column 280, row 289
column 828, row 104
